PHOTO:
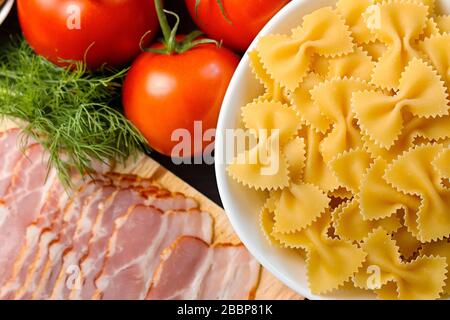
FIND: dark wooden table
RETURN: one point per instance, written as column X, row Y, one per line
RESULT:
column 201, row 177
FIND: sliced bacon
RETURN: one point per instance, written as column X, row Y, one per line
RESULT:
column 112, row 209
column 116, row 206
column 192, row 270
column 60, row 229
column 10, row 154
column 79, row 247
column 131, row 260
column 44, row 272
column 78, row 223
column 24, row 201
column 29, row 249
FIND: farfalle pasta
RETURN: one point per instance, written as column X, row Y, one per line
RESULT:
column 439, row 249
column 421, row 93
column 413, row 173
column 273, row 90
column 436, row 49
column 397, row 24
column 302, row 100
column 288, row 57
column 329, row 262
column 358, row 65
column 353, row 11
column 443, row 23
column 298, row 206
column 357, row 101
column 422, row 278
column 333, row 98
column 349, row 223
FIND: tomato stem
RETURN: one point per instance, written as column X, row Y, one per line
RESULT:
column 162, row 20
column 221, row 7
column 170, row 42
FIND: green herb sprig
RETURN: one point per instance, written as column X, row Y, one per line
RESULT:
column 69, row 111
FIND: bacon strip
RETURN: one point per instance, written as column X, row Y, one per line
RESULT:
column 59, row 230
column 79, row 245
column 10, row 154
column 29, row 250
column 22, row 205
column 131, row 261
column 192, row 270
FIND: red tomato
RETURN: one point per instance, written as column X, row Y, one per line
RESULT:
column 165, row 92
column 245, row 19
column 66, row 29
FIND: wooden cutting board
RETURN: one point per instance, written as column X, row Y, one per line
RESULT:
column 269, row 287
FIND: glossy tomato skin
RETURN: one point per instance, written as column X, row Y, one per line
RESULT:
column 163, row 93
column 111, row 29
column 247, row 18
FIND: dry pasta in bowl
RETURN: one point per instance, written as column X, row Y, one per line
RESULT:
column 357, row 97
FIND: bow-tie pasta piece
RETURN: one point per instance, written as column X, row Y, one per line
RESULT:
column 431, row 29
column 415, row 129
column 442, row 164
column 329, row 262
column 408, row 245
column 413, row 173
column 299, row 206
column 443, row 23
column 352, row 11
column 268, row 116
column 320, row 65
column 421, row 93
column 437, row 49
column 349, row 224
column 357, row 64
column 350, row 167
column 295, row 152
column 266, row 219
column 375, row 50
column 431, row 4
column 288, row 58
column 262, row 167
column 273, row 90
column 338, row 195
column 422, row 278
column 301, row 99
column 333, row 98
column 398, row 25
column 439, row 249
column 379, row 200
column 316, row 170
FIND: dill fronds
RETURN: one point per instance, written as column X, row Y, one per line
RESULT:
column 69, row 111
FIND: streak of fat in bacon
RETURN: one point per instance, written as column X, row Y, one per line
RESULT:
column 131, row 261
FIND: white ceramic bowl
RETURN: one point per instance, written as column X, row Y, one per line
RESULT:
column 241, row 204
column 5, row 9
